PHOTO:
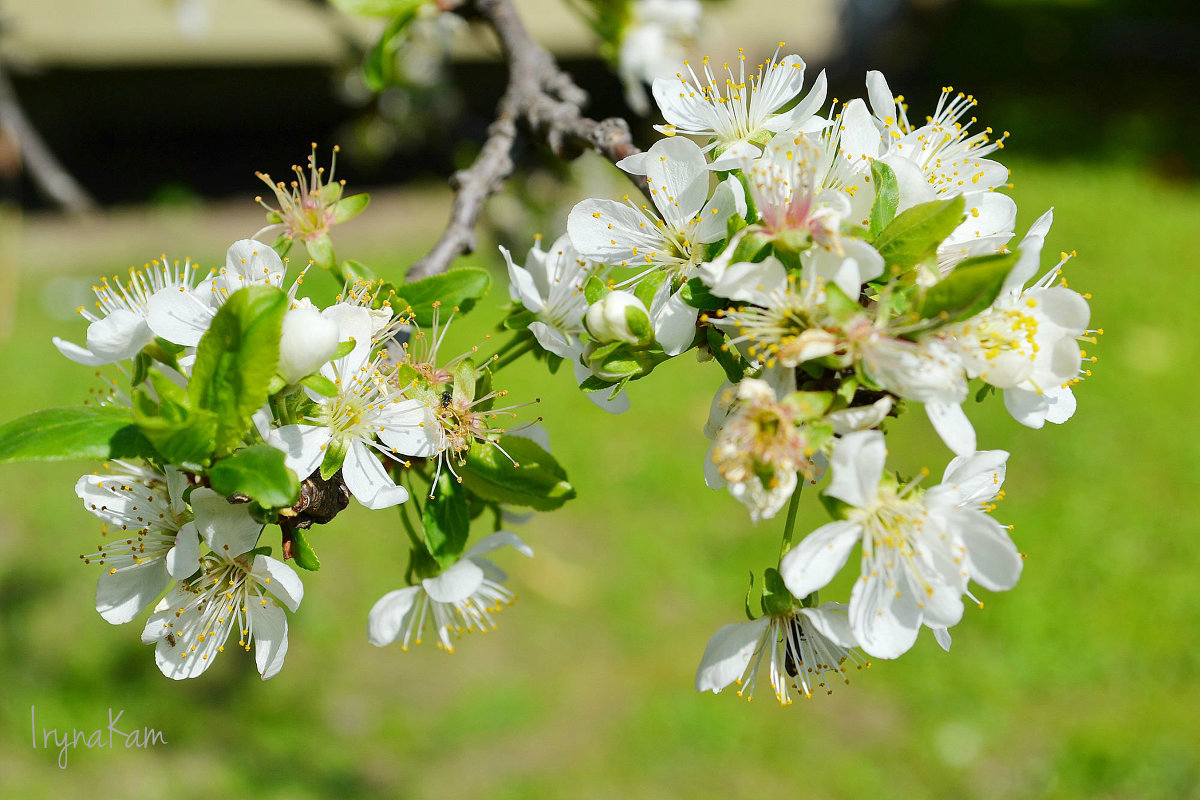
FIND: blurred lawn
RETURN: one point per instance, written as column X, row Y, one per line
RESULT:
column 1081, row 683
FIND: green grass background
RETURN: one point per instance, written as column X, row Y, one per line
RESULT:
column 1080, row 683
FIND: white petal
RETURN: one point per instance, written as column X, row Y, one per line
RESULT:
column 678, row 177
column 279, row 579
column 752, row 282
column 976, row 478
column 269, row 624
column 227, row 527
column 729, row 199
column 387, row 615
column 858, row 460
column 303, row 446
column 179, row 315
column 607, row 231
column 368, row 481
column 457, row 582
column 497, row 540
column 859, row 418
column 832, row 620
column 811, row 564
column 554, row 340
column 122, row 596
column 249, row 262
column 942, row 636
column 1030, row 256
column 411, row 430
column 674, row 321
column 118, row 336
column 1027, row 406
column 618, row 405
column 728, row 653
column 635, row 164
column 860, row 140
column 523, row 283
column 78, row 354
column 951, row 423
column 801, row 113
column 184, row 558
column 1061, row 402
column 992, row 558
column 914, row 187
column 885, row 626
column 883, row 102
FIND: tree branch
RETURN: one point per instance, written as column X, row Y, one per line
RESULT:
column 545, row 98
column 45, row 170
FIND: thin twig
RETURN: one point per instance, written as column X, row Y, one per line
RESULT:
column 45, row 170
column 545, row 98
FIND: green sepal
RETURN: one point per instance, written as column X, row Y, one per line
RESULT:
column 343, row 349
column 379, row 65
column 277, row 384
column 914, row 235
column 887, row 197
column 536, row 480
column 302, row 552
column 697, row 295
column 594, row 289
column 970, row 288
column 776, row 599
column 735, row 368
column 750, row 590
column 983, row 392
column 847, row 389
column 356, row 270
column 593, row 384
column 811, row 601
column 838, row 509
column 458, row 288
column 348, row 208
column 519, row 319
column 320, row 384
column 335, row 455
column 648, row 287
column 447, row 520
column 57, row 434
column 236, row 360
column 754, row 246
column 260, row 473
column 464, row 379
column 483, row 387
column 638, row 322
column 141, row 367
column 262, row 550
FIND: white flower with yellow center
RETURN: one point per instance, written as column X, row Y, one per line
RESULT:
column 181, row 314
column 121, row 327
column 633, row 236
column 1027, row 343
column 739, row 113
column 462, row 599
column 913, row 562
column 799, row 650
column 551, row 286
column 156, row 540
column 235, row 589
column 785, row 184
column 759, row 450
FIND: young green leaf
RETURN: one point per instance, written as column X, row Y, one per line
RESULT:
column 447, row 520
column 259, row 472
column 56, row 434
column 887, row 197
column 320, row 384
column 970, row 288
column 459, row 288
column 697, row 295
column 915, row 234
column 594, row 289
column 535, row 480
column 302, row 552
column 236, row 360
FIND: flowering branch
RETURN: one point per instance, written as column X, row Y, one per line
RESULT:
column 549, row 102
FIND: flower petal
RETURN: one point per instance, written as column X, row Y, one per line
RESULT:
column 952, row 424
column 270, row 627
column 279, row 579
column 858, row 460
column 811, row 564
column 387, row 615
column 728, row 653
column 227, row 527
column 497, row 540
column 123, row 595
column 457, row 582
column 368, row 481
column 184, row 558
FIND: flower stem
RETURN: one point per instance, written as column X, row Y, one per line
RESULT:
column 790, row 525
column 516, row 353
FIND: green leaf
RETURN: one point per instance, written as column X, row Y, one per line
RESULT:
column 519, row 319
column 776, row 599
column 56, row 434
column 536, row 480
column 183, row 436
column 914, row 235
column 320, row 384
column 648, row 287
column 335, row 455
column 840, row 306
column 459, row 288
column 259, row 472
column 447, row 520
column 348, row 208
column 697, row 295
column 969, row 289
column 302, row 552
column 236, row 360
column 887, row 197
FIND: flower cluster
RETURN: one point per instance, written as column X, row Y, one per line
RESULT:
column 838, row 264
column 249, row 409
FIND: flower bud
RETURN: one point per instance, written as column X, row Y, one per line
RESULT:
column 620, row 317
column 308, row 341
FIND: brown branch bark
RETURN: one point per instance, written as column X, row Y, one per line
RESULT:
column 545, row 99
